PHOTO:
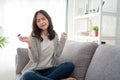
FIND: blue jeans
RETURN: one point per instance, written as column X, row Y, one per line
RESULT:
column 55, row 73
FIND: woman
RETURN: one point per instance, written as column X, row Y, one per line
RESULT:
column 44, row 48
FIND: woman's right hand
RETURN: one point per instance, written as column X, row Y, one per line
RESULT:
column 25, row 39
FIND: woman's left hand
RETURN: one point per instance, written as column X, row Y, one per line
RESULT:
column 64, row 35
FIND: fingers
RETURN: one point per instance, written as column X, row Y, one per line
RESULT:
column 24, row 39
column 64, row 35
column 20, row 38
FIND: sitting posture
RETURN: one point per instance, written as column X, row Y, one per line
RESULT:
column 44, row 47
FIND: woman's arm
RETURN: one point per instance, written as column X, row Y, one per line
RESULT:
column 61, row 43
column 33, row 53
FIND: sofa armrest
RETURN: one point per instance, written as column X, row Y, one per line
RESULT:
column 21, row 59
column 105, row 64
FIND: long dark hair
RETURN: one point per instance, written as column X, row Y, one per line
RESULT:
column 36, row 31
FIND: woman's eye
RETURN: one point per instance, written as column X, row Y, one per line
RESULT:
column 44, row 18
column 38, row 20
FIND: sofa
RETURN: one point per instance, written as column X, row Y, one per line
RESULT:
column 92, row 61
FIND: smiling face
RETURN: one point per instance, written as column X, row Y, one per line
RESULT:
column 42, row 21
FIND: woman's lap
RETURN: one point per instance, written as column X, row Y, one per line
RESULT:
column 64, row 70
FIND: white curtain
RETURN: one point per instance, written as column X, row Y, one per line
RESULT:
column 16, row 17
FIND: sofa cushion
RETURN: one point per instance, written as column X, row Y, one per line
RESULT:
column 80, row 53
column 105, row 64
column 21, row 59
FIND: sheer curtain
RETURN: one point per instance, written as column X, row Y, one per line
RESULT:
column 16, row 17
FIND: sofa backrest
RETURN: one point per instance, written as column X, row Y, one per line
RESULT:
column 105, row 64
column 21, row 59
column 80, row 53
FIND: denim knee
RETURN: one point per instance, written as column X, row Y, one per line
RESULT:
column 27, row 75
column 69, row 65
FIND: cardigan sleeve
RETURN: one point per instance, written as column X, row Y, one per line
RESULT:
column 33, row 53
column 60, row 45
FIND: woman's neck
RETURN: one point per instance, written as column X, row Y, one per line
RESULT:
column 45, row 33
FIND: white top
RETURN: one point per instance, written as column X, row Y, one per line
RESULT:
column 47, row 50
